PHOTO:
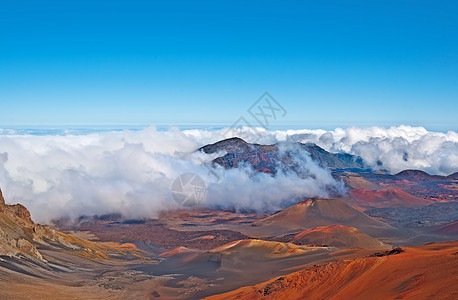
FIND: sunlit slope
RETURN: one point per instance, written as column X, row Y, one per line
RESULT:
column 427, row 272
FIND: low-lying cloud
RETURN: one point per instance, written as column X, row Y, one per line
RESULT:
column 393, row 149
column 131, row 172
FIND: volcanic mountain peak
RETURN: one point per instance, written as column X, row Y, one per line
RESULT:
column 267, row 158
column 229, row 141
column 315, row 212
column 229, row 144
column 317, row 207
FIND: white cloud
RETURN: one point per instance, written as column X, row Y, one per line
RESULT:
column 131, row 171
column 397, row 148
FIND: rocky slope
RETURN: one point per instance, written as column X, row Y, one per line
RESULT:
column 20, row 237
column 17, row 231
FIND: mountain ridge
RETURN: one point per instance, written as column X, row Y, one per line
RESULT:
column 267, row 158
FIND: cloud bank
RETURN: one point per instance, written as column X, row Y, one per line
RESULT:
column 393, row 149
column 131, row 172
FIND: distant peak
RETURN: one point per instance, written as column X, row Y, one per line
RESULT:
column 210, row 148
column 233, row 140
column 411, row 172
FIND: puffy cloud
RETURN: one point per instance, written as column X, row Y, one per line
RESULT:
column 131, row 172
column 393, row 149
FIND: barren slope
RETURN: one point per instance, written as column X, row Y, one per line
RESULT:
column 426, row 272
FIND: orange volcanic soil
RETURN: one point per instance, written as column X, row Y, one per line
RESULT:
column 386, row 198
column 450, row 228
column 426, row 272
column 338, row 236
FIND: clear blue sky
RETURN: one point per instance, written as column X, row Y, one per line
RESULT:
column 200, row 62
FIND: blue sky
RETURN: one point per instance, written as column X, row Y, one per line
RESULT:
column 336, row 63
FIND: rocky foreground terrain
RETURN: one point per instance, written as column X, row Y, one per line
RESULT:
column 410, row 273
column 38, row 262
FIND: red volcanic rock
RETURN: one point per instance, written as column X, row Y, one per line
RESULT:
column 386, row 198
column 450, row 228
